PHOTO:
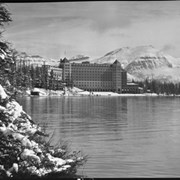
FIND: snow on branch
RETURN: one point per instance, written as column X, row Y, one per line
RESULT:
column 21, row 153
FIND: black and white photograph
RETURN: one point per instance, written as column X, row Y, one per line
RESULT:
column 90, row 89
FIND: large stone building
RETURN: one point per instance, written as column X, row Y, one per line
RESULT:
column 95, row 77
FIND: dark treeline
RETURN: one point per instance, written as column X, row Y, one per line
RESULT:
column 29, row 76
column 155, row 86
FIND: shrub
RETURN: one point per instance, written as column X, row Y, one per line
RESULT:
column 23, row 150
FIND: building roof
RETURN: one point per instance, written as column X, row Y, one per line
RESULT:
column 65, row 60
column 117, row 62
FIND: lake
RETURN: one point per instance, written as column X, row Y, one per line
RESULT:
column 122, row 136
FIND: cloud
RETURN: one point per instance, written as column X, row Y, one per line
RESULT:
column 99, row 16
column 55, row 50
column 93, row 28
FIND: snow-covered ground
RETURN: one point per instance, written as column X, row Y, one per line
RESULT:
column 79, row 92
column 44, row 92
column 115, row 94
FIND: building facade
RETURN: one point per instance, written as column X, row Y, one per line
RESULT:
column 57, row 72
column 94, row 77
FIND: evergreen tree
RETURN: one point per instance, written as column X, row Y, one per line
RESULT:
column 51, row 80
column 38, row 79
column 158, row 87
column 33, row 76
column 44, row 75
column 6, row 60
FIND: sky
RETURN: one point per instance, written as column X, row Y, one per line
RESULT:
column 93, row 28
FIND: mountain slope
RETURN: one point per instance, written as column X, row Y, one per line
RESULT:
column 35, row 59
column 79, row 58
column 148, row 62
column 144, row 62
column 126, row 55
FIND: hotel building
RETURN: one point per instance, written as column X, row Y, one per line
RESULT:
column 96, row 77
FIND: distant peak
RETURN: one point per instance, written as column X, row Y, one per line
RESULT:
column 78, row 57
column 36, row 56
column 126, row 49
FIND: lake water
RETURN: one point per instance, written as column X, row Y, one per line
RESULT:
column 123, row 136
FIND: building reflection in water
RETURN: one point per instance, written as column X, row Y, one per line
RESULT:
column 70, row 117
column 89, row 116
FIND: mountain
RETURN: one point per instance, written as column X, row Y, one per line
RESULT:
column 126, row 55
column 143, row 62
column 79, row 58
column 34, row 59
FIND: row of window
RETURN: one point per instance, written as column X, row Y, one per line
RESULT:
column 91, row 72
column 88, row 68
column 92, row 75
column 94, row 82
column 91, row 65
column 94, row 87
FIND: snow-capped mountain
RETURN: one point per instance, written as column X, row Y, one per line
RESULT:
column 144, row 62
column 140, row 62
column 35, row 59
column 127, row 55
column 79, row 58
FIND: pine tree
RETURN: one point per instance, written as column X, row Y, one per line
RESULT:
column 5, row 53
column 51, row 80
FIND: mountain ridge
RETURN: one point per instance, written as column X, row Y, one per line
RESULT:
column 35, row 59
column 143, row 62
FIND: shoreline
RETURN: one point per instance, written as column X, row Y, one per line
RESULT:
column 80, row 93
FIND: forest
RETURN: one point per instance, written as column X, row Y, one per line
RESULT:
column 26, row 76
column 155, row 86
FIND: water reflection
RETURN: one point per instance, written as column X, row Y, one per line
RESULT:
column 82, row 115
column 123, row 136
